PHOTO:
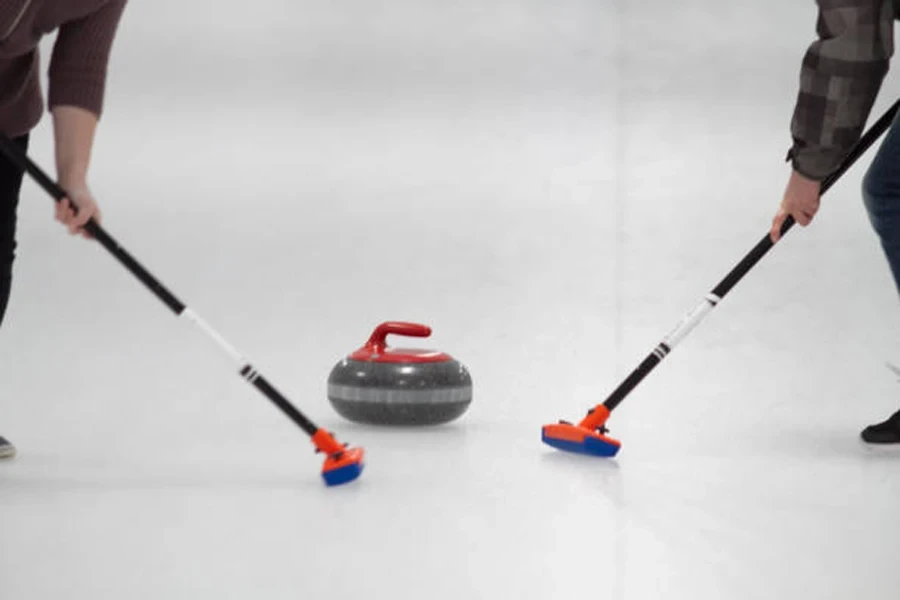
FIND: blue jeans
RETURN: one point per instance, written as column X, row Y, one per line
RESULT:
column 881, row 196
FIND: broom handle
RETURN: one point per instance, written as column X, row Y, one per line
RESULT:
column 246, row 370
column 695, row 316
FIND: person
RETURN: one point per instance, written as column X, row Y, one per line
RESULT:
column 77, row 77
column 841, row 75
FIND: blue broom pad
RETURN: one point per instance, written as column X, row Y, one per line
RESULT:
column 591, row 446
column 342, row 475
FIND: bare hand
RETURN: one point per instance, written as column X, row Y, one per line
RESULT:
column 83, row 200
column 801, row 201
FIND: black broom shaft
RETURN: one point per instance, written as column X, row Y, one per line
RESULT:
column 766, row 243
column 21, row 160
column 752, row 258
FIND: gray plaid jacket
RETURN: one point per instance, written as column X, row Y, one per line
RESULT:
column 840, row 76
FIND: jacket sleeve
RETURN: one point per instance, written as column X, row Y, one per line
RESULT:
column 840, row 77
column 78, row 66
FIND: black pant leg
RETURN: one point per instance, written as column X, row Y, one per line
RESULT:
column 10, row 186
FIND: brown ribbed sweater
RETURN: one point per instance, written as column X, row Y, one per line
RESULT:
column 78, row 65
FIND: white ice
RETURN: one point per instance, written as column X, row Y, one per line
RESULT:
column 550, row 186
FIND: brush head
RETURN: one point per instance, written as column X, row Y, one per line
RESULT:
column 342, row 463
column 580, row 440
column 343, row 467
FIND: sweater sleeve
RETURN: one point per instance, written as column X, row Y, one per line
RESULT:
column 78, row 66
column 840, row 77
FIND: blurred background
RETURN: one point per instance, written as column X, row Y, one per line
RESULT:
column 550, row 187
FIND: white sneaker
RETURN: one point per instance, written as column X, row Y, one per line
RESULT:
column 7, row 450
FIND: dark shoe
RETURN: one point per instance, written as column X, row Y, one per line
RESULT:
column 886, row 432
column 7, row 450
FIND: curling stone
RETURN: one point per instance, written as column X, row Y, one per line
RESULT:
column 378, row 385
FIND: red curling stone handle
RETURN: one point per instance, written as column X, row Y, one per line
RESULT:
column 378, row 340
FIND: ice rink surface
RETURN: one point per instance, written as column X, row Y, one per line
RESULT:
column 550, row 186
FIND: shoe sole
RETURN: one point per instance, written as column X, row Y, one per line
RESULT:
column 7, row 452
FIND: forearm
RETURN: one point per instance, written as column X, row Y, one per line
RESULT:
column 73, row 129
column 77, row 84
